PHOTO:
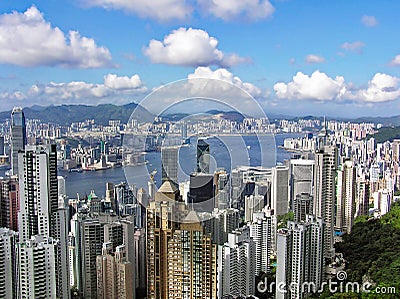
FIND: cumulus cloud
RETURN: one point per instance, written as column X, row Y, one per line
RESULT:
column 225, row 75
column 353, row 47
column 228, row 10
column 318, row 86
column 381, row 88
column 369, row 21
column 28, row 40
column 312, row 58
column 190, row 47
column 75, row 92
column 161, row 10
column 395, row 61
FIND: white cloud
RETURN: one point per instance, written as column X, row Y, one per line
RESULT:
column 26, row 39
column 369, row 21
column 76, row 92
column 190, row 47
column 381, row 88
column 225, row 75
column 162, row 10
column 228, row 10
column 318, row 86
column 312, row 58
column 114, row 82
column 395, row 61
column 353, row 47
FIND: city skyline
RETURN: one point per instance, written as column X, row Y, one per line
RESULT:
column 334, row 59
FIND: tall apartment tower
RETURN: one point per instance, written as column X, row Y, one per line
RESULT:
column 236, row 265
column 18, row 136
column 8, row 273
column 9, row 203
column 114, row 273
column 203, row 156
column 37, row 267
column 169, row 163
column 346, row 197
column 39, row 213
column 181, row 260
column 261, row 233
column 300, row 258
column 324, row 193
column 302, row 206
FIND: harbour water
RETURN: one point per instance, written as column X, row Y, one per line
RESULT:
column 227, row 152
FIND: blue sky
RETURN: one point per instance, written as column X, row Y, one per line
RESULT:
column 335, row 58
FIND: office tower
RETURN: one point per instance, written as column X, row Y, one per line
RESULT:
column 236, row 265
column 114, row 273
column 9, row 203
column 8, row 273
column 152, row 187
column 280, row 190
column 302, row 206
column 113, row 234
column 346, row 197
column 169, row 161
column 18, row 137
column 201, row 192
column 37, row 267
column 203, row 156
column 301, row 177
column 261, row 232
column 1, row 145
column 220, row 223
column 252, row 204
column 324, row 193
column 300, row 258
column 110, row 197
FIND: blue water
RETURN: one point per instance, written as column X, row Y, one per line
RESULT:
column 227, row 152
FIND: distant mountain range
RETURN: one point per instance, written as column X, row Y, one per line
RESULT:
column 67, row 114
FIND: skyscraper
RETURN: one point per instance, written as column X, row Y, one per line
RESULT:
column 9, row 202
column 8, row 273
column 301, row 177
column 169, row 161
column 203, row 156
column 300, row 258
column 37, row 267
column 302, row 206
column 324, row 193
column 18, row 136
column 346, row 197
column 280, row 190
column 261, row 232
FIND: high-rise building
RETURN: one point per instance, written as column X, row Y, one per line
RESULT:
column 222, row 189
column 301, row 177
column 280, row 190
column 201, row 192
column 300, row 258
column 8, row 273
column 18, row 136
column 261, row 232
column 181, row 259
column 37, row 267
column 362, row 205
column 39, row 213
column 302, row 206
column 236, row 265
column 203, row 156
column 9, row 203
column 346, row 197
column 324, row 193
column 169, row 161
column 114, row 273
